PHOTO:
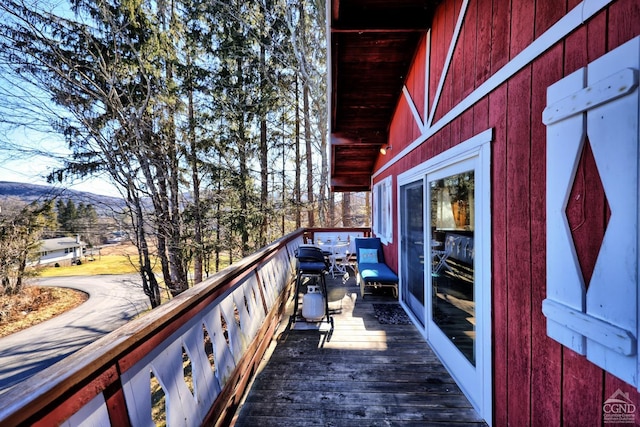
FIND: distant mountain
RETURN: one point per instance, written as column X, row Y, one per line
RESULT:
column 33, row 192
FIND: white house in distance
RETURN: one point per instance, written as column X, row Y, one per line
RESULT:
column 61, row 250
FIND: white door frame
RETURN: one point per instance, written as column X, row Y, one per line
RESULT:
column 475, row 382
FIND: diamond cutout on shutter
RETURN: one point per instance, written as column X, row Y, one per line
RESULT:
column 587, row 212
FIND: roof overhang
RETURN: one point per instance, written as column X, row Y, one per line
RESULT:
column 371, row 45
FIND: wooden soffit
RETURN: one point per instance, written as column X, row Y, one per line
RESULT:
column 371, row 44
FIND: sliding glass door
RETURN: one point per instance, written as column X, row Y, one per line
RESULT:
column 452, row 310
column 412, row 244
column 444, row 213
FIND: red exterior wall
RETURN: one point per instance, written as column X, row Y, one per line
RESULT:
column 535, row 380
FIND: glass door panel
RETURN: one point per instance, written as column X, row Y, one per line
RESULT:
column 412, row 258
column 453, row 302
column 447, row 200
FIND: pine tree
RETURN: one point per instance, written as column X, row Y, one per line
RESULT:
column 190, row 108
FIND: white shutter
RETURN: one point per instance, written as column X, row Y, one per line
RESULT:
column 388, row 203
column 383, row 217
column 600, row 102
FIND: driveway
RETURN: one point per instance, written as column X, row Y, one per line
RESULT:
column 113, row 300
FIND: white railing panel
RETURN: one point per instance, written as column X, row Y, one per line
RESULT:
column 267, row 277
column 286, row 262
column 234, row 334
column 251, row 315
column 136, row 386
column 167, row 365
column 180, row 404
column 205, row 384
column 93, row 414
column 222, row 355
column 282, row 272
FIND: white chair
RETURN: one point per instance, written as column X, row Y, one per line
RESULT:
column 440, row 256
column 339, row 258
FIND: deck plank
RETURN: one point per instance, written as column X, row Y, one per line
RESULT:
column 367, row 374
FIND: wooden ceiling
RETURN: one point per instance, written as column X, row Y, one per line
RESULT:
column 372, row 43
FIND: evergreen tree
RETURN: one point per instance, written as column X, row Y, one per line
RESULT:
column 189, row 107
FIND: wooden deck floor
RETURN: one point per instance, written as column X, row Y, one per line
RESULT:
column 367, row 374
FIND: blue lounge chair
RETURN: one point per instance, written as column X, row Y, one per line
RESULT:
column 372, row 272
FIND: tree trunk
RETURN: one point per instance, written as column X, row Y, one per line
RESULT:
column 150, row 284
column 21, row 269
column 264, row 167
column 218, row 212
column 195, row 182
column 332, row 209
column 346, row 209
column 244, row 170
column 324, row 177
column 297, row 189
column 307, row 120
column 284, row 178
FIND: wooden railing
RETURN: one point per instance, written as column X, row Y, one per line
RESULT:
column 202, row 349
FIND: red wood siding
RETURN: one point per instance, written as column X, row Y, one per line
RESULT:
column 500, row 18
column 403, row 130
column 482, row 43
column 545, row 383
column 447, row 17
column 415, row 79
column 623, row 22
column 535, row 380
column 454, row 83
column 518, row 249
column 497, row 121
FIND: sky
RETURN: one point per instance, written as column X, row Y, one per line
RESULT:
column 29, row 156
column 32, row 168
column 34, row 171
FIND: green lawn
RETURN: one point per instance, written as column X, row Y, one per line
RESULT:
column 105, row 264
column 117, row 263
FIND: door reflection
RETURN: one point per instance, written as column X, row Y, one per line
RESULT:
column 452, row 271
